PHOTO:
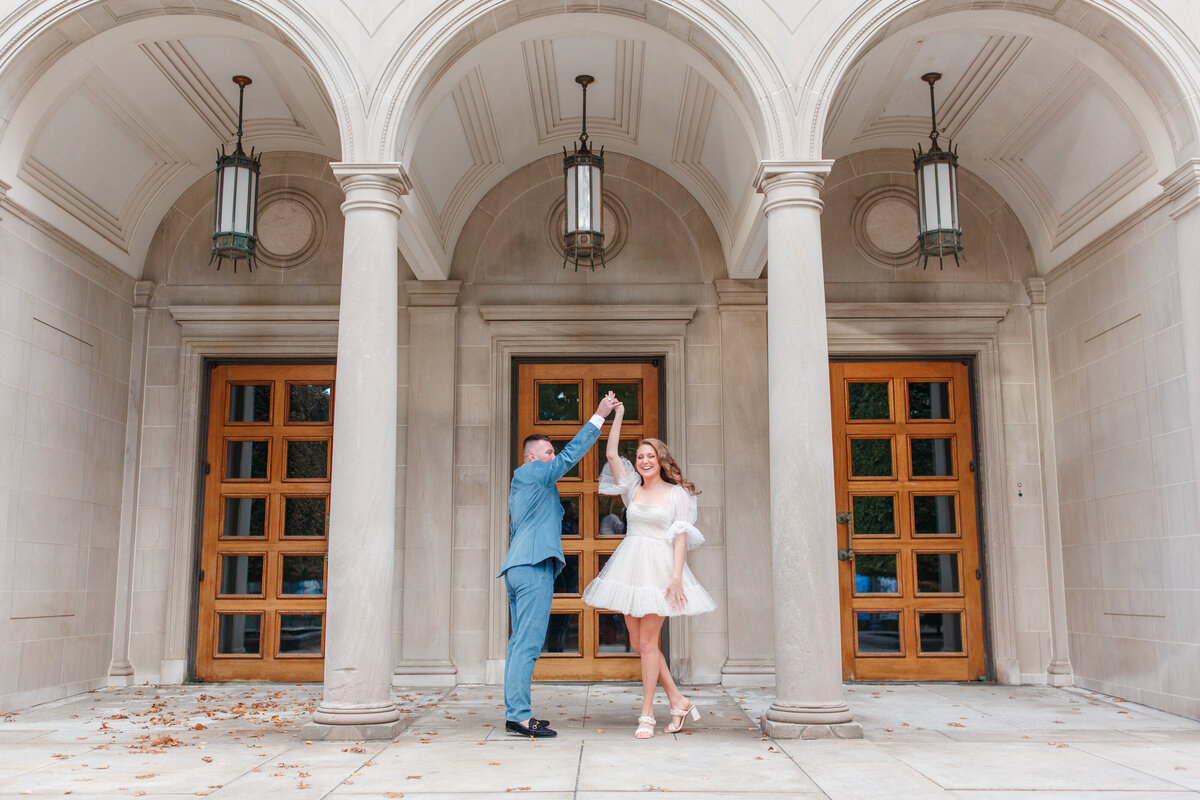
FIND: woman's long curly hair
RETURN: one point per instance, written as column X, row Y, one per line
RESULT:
column 667, row 468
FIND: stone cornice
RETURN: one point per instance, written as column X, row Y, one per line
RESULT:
column 975, row 311
column 1182, row 187
column 575, row 313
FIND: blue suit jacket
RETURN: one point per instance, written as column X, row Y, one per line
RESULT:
column 534, row 511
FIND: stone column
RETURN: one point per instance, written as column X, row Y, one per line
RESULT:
column 1058, row 671
column 1183, row 189
column 120, row 670
column 429, row 488
column 808, row 658
column 357, row 702
column 745, row 434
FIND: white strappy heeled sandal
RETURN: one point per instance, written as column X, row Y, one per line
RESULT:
column 645, row 728
column 680, row 715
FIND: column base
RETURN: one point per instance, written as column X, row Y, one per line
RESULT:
column 353, row 733
column 811, row 722
column 425, row 673
column 1060, row 673
column 747, row 673
column 120, row 673
column 793, row 730
column 356, row 715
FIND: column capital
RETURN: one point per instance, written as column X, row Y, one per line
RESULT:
column 792, row 182
column 1035, row 287
column 376, row 185
column 1182, row 188
column 433, row 293
column 142, row 292
column 741, row 294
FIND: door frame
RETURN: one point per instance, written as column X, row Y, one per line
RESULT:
column 936, row 332
column 255, row 333
column 972, row 412
column 208, row 365
column 576, row 333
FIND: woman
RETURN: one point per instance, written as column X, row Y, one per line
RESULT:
column 646, row 578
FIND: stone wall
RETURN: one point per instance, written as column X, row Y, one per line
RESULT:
column 1130, row 537
column 65, row 332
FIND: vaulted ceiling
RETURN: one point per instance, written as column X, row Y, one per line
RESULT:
column 1065, row 132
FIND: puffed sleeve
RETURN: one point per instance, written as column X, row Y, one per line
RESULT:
column 630, row 481
column 683, row 508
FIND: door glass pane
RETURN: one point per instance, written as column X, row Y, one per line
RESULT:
column 250, row 402
column 929, row 400
column 937, row 573
column 611, row 634
column 612, row 515
column 300, row 634
column 932, row 457
column 875, row 573
column 245, row 516
column 879, row 633
column 567, row 581
column 307, row 459
column 601, row 560
column 562, row 635
column 246, row 460
column 873, row 515
column 239, row 634
column 559, row 444
column 868, row 401
column 241, row 574
column 570, row 520
column 303, row 575
column 304, row 516
column 309, row 402
column 871, row 458
column 941, row 632
column 628, row 393
column 934, row 514
column 558, row 402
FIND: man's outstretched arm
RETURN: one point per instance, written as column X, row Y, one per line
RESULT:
column 569, row 456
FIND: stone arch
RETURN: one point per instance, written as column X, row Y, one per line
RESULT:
column 1133, row 30
column 30, row 46
column 709, row 28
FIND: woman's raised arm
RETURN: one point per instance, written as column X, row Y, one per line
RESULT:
column 612, row 450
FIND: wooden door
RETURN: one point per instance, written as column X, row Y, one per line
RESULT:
column 266, row 505
column 909, row 547
column 584, row 643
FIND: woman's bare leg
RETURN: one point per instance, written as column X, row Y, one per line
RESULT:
column 634, row 626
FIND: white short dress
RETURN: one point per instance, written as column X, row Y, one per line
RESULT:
column 634, row 581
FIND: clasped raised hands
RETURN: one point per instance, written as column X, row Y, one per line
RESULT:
column 608, row 403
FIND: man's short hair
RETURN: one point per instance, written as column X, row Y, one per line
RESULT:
column 529, row 440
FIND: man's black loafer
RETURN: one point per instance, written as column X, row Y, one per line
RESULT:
column 517, row 729
column 534, row 722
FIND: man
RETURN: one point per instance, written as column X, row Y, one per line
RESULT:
column 535, row 558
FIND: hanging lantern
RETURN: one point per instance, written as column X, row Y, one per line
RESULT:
column 235, row 218
column 583, row 238
column 939, row 232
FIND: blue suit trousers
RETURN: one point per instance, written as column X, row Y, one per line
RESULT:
column 530, row 591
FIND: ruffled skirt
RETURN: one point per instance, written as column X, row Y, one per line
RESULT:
column 634, row 581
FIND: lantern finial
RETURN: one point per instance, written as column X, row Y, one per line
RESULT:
column 235, row 211
column 584, row 171
column 938, row 229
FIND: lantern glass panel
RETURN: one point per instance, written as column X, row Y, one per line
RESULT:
column 596, row 207
column 229, row 181
column 572, row 198
column 583, row 218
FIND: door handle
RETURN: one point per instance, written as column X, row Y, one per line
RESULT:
column 845, row 554
column 843, row 517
